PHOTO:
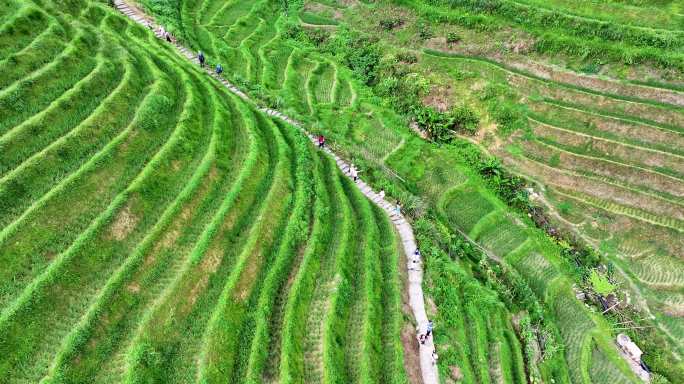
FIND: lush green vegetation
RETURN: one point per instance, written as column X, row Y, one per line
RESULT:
column 156, row 228
column 558, row 31
column 607, row 153
column 210, row 243
column 322, row 77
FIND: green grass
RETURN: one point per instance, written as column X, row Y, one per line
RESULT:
column 147, row 209
column 304, row 286
column 559, row 32
column 466, row 207
column 210, row 224
column 659, row 15
column 316, row 19
column 500, row 235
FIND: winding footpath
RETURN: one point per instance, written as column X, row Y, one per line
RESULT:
column 415, row 275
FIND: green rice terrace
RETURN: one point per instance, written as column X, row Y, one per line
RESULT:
column 159, row 226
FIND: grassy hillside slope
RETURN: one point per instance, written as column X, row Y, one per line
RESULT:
column 605, row 152
column 254, row 43
column 156, row 228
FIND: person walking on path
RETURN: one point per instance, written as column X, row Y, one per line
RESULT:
column 397, row 209
column 353, row 172
column 422, row 338
column 321, row 141
column 167, row 36
column 381, row 194
column 416, row 255
column 200, row 57
column 219, row 69
column 434, row 357
column 430, row 325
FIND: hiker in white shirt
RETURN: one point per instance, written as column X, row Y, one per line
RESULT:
column 353, row 173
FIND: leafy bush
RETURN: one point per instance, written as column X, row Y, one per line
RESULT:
column 291, row 30
column 391, row 23
column 600, row 284
column 359, row 52
column 318, row 36
column 465, row 118
column 565, row 207
column 407, row 57
column 503, row 105
column 424, row 31
column 509, row 116
column 453, row 38
column 554, row 161
column 441, row 126
column 591, row 68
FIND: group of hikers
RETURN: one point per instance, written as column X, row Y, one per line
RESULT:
column 353, row 171
column 354, row 174
column 202, row 60
column 164, row 34
column 423, row 337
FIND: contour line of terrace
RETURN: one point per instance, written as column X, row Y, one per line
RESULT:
column 428, row 370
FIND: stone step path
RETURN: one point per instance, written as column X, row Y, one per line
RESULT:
column 415, row 272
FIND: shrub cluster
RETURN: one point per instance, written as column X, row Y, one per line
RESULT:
column 391, row 23
column 359, row 52
column 424, row 31
column 443, row 126
column 407, row 57
column 502, row 104
column 453, row 38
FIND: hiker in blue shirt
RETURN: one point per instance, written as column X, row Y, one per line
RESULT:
column 200, row 57
column 416, row 257
column 430, row 325
column 219, row 69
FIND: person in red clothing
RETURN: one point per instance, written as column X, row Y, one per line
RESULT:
column 321, row 141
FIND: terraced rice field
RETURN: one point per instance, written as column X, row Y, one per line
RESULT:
column 211, row 243
column 667, row 15
column 304, row 83
column 165, row 230
column 612, row 153
column 435, row 172
column 480, row 338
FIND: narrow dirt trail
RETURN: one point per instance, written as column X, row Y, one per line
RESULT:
column 415, row 276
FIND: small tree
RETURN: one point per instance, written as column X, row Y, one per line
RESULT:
column 453, row 38
column 600, row 283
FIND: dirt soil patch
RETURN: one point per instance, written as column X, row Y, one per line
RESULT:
column 124, row 223
column 323, row 10
column 439, row 98
column 411, row 354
